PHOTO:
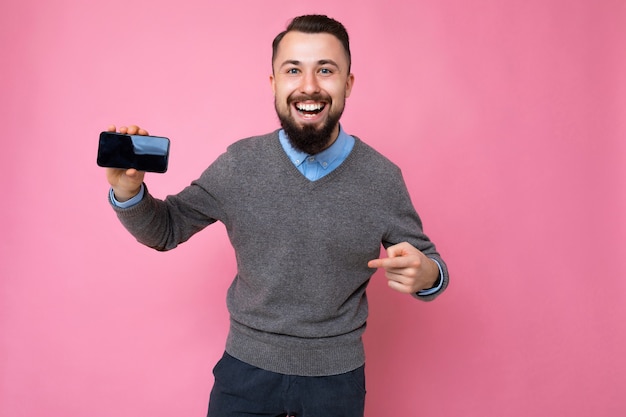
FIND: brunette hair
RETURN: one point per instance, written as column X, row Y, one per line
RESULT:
column 316, row 24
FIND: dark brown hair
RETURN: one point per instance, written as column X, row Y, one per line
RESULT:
column 316, row 24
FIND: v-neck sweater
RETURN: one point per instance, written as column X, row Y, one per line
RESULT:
column 298, row 303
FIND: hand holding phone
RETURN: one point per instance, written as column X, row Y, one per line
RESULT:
column 125, row 182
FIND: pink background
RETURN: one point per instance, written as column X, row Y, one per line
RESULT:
column 507, row 117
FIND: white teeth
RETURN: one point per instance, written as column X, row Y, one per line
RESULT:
column 310, row 107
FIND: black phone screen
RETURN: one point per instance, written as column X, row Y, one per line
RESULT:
column 144, row 153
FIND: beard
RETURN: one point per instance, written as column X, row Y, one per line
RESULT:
column 308, row 138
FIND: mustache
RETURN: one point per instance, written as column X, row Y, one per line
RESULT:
column 312, row 97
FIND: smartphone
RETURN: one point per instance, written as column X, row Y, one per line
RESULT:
column 144, row 153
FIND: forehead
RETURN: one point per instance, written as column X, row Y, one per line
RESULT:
column 310, row 47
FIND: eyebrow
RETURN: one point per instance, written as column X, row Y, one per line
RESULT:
column 320, row 62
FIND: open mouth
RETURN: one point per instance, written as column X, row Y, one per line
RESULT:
column 309, row 109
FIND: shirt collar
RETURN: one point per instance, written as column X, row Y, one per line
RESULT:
column 324, row 158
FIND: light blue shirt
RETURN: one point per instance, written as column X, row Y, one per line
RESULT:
column 313, row 167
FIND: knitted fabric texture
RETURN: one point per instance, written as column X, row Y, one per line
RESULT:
column 298, row 303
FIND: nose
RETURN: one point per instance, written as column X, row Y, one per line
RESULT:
column 310, row 83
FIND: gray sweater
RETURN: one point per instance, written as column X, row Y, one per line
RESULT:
column 298, row 303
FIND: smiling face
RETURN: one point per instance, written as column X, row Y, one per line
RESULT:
column 311, row 82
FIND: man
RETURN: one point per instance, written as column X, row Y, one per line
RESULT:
column 306, row 208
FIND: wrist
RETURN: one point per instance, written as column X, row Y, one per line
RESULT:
column 437, row 283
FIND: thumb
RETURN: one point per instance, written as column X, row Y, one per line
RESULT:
column 394, row 251
column 397, row 250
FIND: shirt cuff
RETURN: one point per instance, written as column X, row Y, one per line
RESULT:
column 128, row 203
column 439, row 282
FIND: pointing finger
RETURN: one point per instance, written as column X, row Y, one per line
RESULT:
column 375, row 263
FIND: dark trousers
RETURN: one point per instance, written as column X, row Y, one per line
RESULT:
column 242, row 390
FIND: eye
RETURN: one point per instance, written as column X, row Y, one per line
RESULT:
column 293, row 71
column 326, row 71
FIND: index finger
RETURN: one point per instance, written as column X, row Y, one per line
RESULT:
column 375, row 263
column 397, row 262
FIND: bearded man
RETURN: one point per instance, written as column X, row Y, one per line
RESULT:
column 307, row 208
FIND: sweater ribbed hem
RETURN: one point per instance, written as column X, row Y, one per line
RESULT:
column 295, row 356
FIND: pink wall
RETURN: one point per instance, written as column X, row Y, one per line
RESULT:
column 508, row 119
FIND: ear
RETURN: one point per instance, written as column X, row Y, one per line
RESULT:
column 349, row 84
column 273, row 83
